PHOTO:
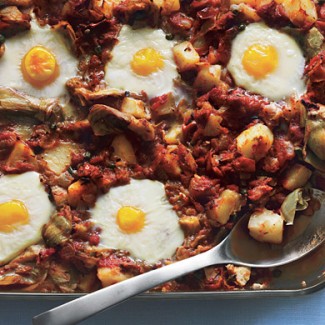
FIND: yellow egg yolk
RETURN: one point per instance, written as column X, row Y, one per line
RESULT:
column 147, row 61
column 13, row 214
column 130, row 219
column 260, row 60
column 39, row 67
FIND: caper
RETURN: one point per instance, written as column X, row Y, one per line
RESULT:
column 2, row 39
column 98, row 49
column 169, row 37
column 243, row 191
column 111, row 166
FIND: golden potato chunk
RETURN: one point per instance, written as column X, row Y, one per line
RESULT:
column 296, row 177
column 109, row 276
column 123, row 149
column 58, row 159
column 185, row 56
column 266, row 226
column 228, row 203
column 255, row 142
column 208, row 77
column 167, row 6
column 134, row 107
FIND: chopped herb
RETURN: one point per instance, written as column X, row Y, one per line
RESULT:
column 71, row 171
column 87, row 155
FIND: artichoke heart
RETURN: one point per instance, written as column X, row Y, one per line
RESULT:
column 295, row 201
column 15, row 271
column 315, row 137
column 57, row 230
column 64, row 276
column 12, row 101
column 108, row 120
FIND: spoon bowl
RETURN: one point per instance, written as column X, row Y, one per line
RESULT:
column 244, row 250
column 237, row 248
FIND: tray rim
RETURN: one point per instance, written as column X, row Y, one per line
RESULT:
column 185, row 295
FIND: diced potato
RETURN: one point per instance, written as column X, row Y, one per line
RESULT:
column 300, row 12
column 227, row 204
column 247, row 10
column 242, row 273
column 167, row 6
column 174, row 134
column 23, row 130
column 316, row 142
column 170, row 162
column 266, row 226
column 163, row 105
column 248, row 2
column 190, row 224
column 81, row 194
column 212, row 128
column 134, row 107
column 185, row 56
column 255, row 142
column 21, row 152
column 58, row 159
column 208, row 77
column 123, row 149
column 88, row 282
column 109, row 276
column 296, row 177
column 104, row 7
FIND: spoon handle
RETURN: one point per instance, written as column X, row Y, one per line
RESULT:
column 82, row 308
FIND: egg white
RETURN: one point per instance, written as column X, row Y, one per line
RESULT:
column 161, row 234
column 119, row 74
column 286, row 79
column 16, row 48
column 28, row 189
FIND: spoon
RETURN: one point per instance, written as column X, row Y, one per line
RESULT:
column 237, row 248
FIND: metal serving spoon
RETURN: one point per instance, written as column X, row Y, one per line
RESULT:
column 237, row 248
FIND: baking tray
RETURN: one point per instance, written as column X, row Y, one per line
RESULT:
column 298, row 278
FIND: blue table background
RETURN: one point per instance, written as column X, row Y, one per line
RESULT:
column 309, row 309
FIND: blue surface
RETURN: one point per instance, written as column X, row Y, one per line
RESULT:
column 264, row 311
